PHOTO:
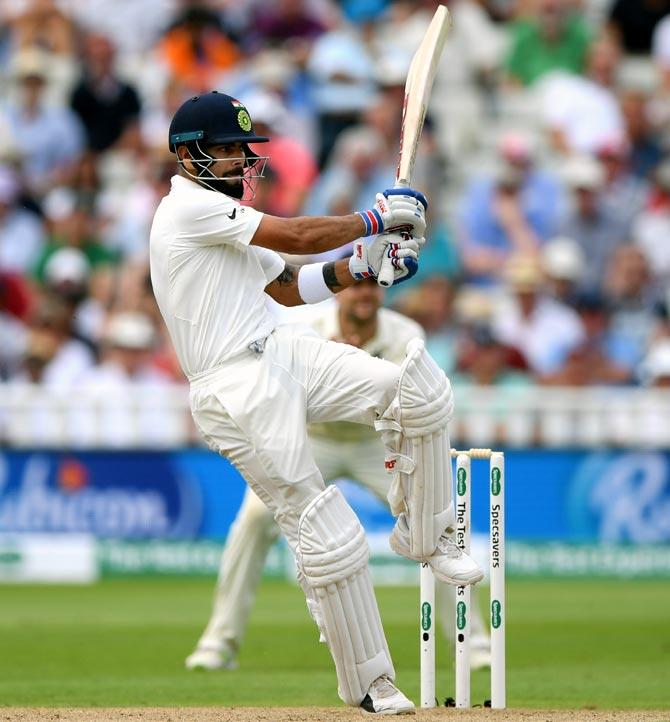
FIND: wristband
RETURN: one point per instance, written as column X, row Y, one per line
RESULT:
column 311, row 285
column 373, row 221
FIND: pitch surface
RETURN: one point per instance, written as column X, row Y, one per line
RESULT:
column 578, row 645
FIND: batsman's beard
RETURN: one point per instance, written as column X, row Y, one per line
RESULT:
column 229, row 186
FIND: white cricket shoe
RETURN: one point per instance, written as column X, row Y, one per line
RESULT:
column 210, row 659
column 384, row 697
column 449, row 563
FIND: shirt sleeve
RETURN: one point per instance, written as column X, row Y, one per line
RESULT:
column 271, row 263
column 210, row 219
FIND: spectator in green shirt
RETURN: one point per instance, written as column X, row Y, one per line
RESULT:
column 553, row 38
column 71, row 225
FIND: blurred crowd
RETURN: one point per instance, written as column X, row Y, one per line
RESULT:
column 546, row 157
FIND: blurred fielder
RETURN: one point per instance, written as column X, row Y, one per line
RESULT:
column 256, row 385
column 341, row 449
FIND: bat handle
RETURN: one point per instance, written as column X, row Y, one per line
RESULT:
column 387, row 272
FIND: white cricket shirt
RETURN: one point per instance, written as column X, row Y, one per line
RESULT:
column 208, row 281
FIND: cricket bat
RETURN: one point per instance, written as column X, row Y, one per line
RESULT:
column 418, row 85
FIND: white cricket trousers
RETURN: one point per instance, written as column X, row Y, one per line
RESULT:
column 255, row 409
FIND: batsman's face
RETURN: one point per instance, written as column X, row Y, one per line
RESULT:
column 230, row 163
column 361, row 302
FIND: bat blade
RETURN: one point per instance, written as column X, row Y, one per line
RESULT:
column 420, row 78
column 419, row 83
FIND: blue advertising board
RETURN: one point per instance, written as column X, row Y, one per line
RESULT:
column 121, row 495
column 569, row 496
column 612, row 497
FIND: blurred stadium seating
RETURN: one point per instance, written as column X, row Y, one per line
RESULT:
column 83, row 163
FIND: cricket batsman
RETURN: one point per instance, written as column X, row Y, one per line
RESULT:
column 255, row 385
column 341, row 450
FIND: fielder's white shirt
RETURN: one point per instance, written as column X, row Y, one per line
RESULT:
column 208, row 281
column 394, row 332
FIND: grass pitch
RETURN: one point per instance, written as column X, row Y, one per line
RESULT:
column 571, row 644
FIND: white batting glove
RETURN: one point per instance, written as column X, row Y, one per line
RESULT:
column 397, row 266
column 396, row 209
column 393, row 249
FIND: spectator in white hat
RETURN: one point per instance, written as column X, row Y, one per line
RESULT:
column 67, row 276
column 541, row 328
column 563, row 263
column 128, row 340
column 67, row 267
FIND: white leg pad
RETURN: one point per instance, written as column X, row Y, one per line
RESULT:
column 415, row 431
column 333, row 558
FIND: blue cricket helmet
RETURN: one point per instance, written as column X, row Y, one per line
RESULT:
column 214, row 118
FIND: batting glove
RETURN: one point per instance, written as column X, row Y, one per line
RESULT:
column 397, row 209
column 403, row 265
column 401, row 251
